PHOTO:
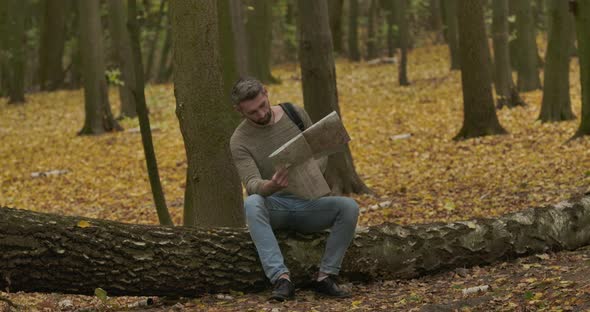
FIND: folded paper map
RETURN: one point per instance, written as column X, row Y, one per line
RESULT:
column 300, row 155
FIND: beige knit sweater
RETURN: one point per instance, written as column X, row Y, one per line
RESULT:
column 251, row 144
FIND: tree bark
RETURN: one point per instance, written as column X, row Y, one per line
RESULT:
column 528, row 65
column 581, row 10
column 335, row 12
column 214, row 191
column 320, row 93
column 259, row 34
column 506, row 92
column 353, row 42
column 556, row 104
column 404, row 38
column 51, row 253
column 51, row 50
column 450, row 7
column 479, row 115
column 124, row 56
column 98, row 116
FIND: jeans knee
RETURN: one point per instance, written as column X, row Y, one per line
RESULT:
column 350, row 210
column 254, row 207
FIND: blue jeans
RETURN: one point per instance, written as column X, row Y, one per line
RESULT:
column 285, row 211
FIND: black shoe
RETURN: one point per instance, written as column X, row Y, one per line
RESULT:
column 283, row 290
column 329, row 287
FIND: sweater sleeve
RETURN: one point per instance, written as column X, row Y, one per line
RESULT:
column 247, row 169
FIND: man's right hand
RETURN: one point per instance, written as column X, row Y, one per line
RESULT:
column 279, row 181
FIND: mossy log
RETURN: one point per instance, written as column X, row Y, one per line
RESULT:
column 52, row 253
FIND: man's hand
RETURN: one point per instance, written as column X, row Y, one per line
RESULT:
column 279, row 181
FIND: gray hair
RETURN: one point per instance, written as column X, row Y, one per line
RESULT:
column 246, row 88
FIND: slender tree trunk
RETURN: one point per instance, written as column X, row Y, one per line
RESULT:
column 124, row 57
column 404, row 38
column 528, row 64
column 40, row 251
column 556, row 105
column 371, row 31
column 98, row 116
column 479, row 115
column 137, row 90
column 453, row 33
column 391, row 37
column 15, row 51
column 436, row 20
column 506, row 92
column 51, row 50
column 582, row 17
column 226, row 46
column 73, row 72
column 239, row 32
column 259, row 34
column 153, row 44
column 335, row 11
column 161, row 76
column 353, row 42
column 215, row 192
column 320, row 93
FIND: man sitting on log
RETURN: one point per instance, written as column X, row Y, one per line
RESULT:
column 269, row 206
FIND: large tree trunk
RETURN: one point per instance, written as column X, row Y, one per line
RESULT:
column 320, row 93
column 124, row 57
column 50, row 253
column 450, row 8
column 556, row 104
column 582, row 15
column 335, row 11
column 479, row 114
column 353, row 42
column 51, row 50
column 401, row 9
column 506, row 92
column 14, row 38
column 527, row 62
column 214, row 192
column 259, row 34
column 98, row 116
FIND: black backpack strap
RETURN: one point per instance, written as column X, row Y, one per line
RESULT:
column 289, row 109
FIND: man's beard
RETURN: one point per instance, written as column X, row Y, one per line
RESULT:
column 265, row 120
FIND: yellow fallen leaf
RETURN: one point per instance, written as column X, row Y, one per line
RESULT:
column 83, row 224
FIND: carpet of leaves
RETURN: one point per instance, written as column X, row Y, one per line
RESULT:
column 424, row 177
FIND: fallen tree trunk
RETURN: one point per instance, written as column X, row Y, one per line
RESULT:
column 51, row 253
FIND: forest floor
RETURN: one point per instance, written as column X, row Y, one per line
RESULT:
column 420, row 177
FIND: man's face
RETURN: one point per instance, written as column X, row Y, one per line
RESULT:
column 256, row 109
